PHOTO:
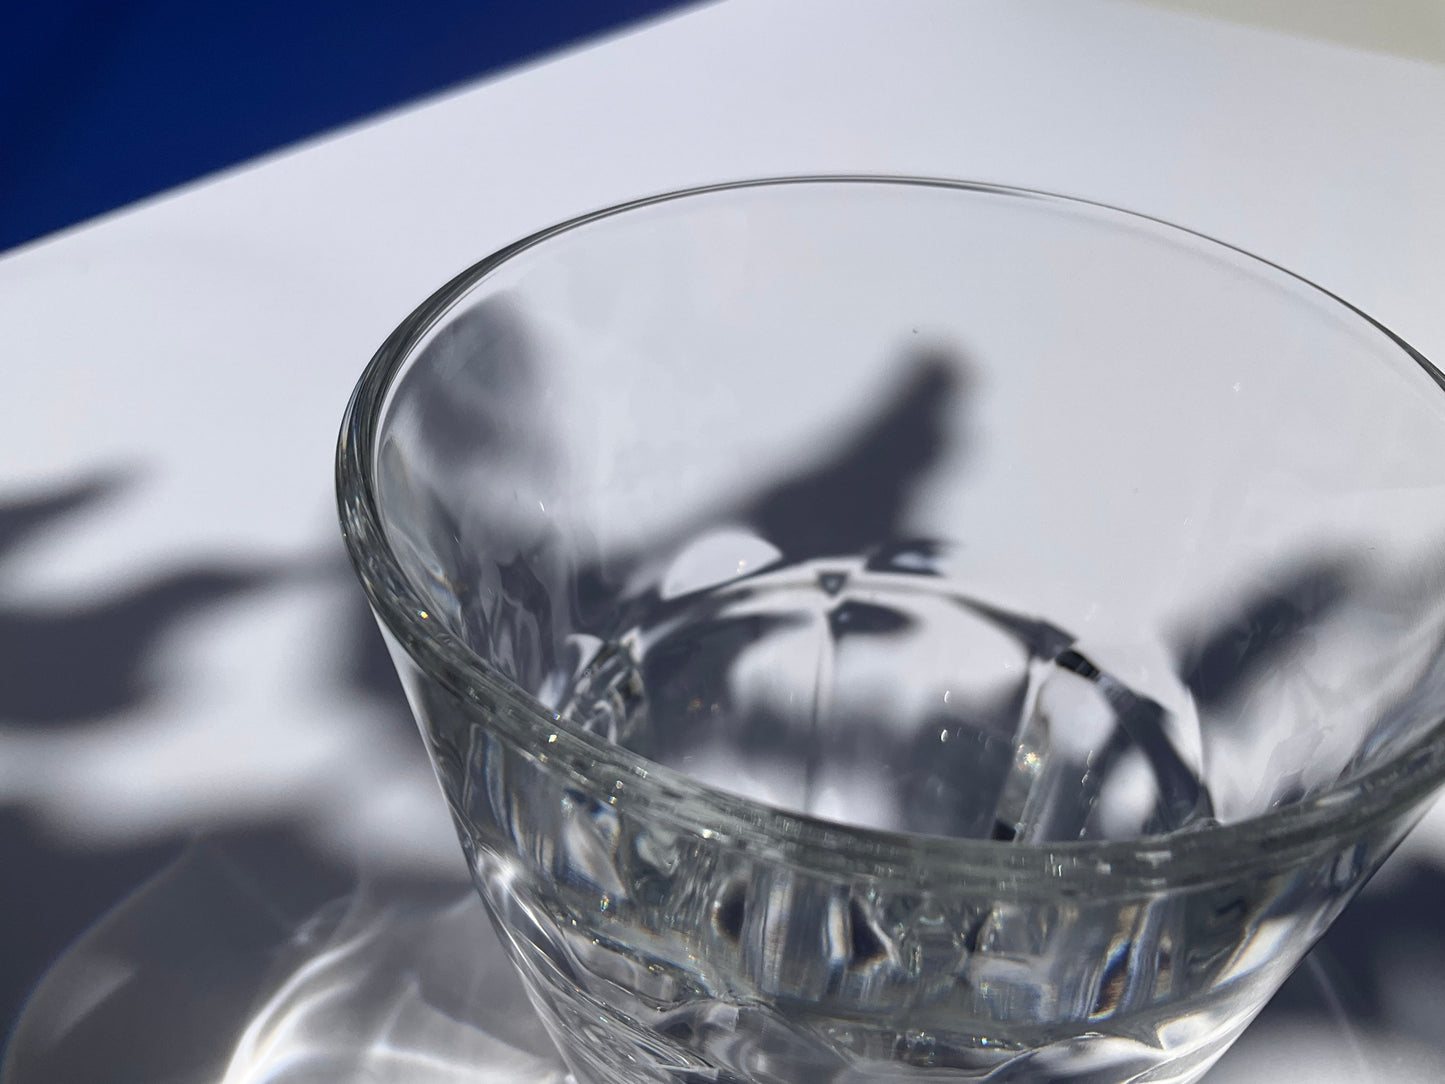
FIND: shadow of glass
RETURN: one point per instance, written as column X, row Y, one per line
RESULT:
column 255, row 959
column 70, row 674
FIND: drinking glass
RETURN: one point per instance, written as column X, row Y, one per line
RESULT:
column 883, row 629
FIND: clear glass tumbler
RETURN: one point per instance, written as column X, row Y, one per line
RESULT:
column 875, row 629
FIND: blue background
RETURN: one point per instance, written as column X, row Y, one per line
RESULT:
column 103, row 103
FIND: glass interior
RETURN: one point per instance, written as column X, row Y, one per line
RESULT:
column 933, row 508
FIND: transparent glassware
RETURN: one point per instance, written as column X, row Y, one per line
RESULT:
column 890, row 629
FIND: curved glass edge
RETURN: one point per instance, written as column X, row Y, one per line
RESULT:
column 1285, row 837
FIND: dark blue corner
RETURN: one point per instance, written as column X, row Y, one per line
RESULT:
column 103, row 103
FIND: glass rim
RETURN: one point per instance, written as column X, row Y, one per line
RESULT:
column 1282, row 837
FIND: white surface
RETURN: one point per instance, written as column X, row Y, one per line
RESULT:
column 219, row 330
column 210, row 337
